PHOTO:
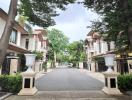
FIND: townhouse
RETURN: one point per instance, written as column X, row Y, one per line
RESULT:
column 37, row 41
column 21, row 42
column 11, row 62
column 96, row 47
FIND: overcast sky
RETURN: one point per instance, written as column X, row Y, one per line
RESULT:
column 72, row 22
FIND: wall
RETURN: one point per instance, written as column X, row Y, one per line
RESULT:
column 18, row 38
column 2, row 26
column 31, row 42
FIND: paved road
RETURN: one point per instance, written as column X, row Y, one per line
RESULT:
column 64, row 80
column 67, row 79
column 69, row 95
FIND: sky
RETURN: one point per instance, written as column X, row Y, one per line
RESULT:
column 73, row 22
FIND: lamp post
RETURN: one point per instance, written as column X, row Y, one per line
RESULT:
column 28, row 76
column 111, row 86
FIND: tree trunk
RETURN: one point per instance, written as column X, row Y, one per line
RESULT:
column 55, row 57
column 130, row 36
column 8, row 29
column 126, row 9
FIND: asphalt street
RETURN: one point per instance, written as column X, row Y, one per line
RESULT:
column 67, row 79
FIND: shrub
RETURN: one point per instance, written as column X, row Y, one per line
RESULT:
column 11, row 83
column 39, row 55
column 44, row 65
column 125, row 82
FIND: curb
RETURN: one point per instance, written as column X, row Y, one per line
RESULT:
column 5, row 96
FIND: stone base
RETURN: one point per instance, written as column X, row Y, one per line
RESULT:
column 112, row 91
column 28, row 91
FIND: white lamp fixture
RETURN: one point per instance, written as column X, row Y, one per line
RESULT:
column 109, row 61
column 30, row 59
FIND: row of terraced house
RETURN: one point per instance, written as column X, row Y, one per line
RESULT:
column 22, row 41
column 95, row 47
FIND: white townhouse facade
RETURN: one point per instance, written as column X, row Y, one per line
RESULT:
column 11, row 62
column 37, row 41
column 95, row 46
column 21, row 42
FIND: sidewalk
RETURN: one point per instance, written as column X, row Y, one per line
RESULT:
column 97, row 75
column 69, row 95
column 41, row 73
column 4, row 95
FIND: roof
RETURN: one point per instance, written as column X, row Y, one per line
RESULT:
column 17, row 49
column 38, row 31
column 95, row 35
column 90, row 33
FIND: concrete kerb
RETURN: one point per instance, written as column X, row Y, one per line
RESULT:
column 5, row 96
column 42, row 73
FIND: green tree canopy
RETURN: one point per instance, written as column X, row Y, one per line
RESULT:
column 76, row 51
column 40, row 12
column 116, row 20
column 58, row 41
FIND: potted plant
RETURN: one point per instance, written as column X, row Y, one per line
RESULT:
column 44, row 66
column 38, row 63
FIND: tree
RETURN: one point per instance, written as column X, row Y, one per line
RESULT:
column 116, row 18
column 39, row 12
column 8, row 29
column 76, row 52
column 58, row 41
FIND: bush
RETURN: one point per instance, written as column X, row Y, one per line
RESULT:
column 11, row 83
column 125, row 82
column 44, row 65
column 39, row 55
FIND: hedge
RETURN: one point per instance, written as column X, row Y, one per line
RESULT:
column 11, row 83
column 125, row 82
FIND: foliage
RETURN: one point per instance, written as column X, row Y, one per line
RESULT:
column 22, row 62
column 44, row 65
column 98, row 59
column 40, row 12
column 83, row 56
column 58, row 42
column 11, row 83
column 39, row 55
column 63, row 57
column 116, row 20
column 125, row 82
column 22, row 20
column 76, row 52
column 50, row 53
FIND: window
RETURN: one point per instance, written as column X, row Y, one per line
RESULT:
column 13, row 37
column 27, row 43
